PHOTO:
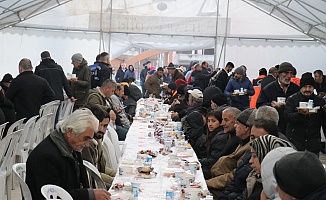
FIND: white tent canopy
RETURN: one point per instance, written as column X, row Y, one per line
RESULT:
column 253, row 37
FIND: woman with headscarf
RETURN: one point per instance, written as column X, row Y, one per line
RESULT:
column 260, row 147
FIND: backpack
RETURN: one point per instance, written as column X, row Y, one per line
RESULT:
column 95, row 79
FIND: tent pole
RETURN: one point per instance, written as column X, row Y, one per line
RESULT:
column 101, row 28
column 226, row 30
column 216, row 64
column 110, row 30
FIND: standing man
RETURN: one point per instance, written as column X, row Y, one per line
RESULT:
column 55, row 76
column 57, row 159
column 303, row 128
column 281, row 88
column 320, row 80
column 242, row 84
column 28, row 91
column 221, row 79
column 101, row 70
column 121, row 72
column 199, row 77
column 82, row 83
column 143, row 75
column 176, row 74
column 153, row 82
column 272, row 75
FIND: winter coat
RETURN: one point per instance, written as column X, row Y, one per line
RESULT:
column 120, row 75
column 177, row 75
column 199, row 78
column 55, row 76
column 28, row 92
column 143, row 75
column 267, row 80
column 267, row 165
column 241, row 101
column 223, row 170
column 53, row 162
column 321, row 87
column 319, row 194
column 101, row 73
column 221, row 80
column 217, row 140
column 270, row 93
column 304, row 130
column 129, row 74
column 81, row 87
column 96, row 97
column 193, row 128
column 152, row 85
column 254, row 186
column 122, row 114
column 8, row 109
column 236, row 187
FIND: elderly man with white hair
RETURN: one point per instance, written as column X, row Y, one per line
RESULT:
column 57, row 159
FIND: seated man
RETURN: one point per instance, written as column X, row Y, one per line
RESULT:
column 117, row 99
column 57, row 159
column 94, row 153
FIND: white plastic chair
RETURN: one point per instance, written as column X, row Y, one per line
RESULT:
column 23, row 145
column 55, row 192
column 109, row 152
column 20, row 170
column 94, row 174
column 40, row 131
column 118, row 145
column 7, row 157
column 2, row 129
column 19, row 124
column 65, row 108
column 48, row 108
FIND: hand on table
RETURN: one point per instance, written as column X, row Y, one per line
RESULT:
column 102, row 194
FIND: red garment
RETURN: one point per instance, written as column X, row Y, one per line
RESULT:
column 295, row 80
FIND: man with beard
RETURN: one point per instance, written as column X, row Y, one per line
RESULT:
column 94, row 153
column 276, row 93
column 239, row 88
column 303, row 128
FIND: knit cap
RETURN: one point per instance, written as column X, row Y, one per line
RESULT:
column 219, row 99
column 266, row 143
column 7, row 78
column 172, row 86
column 285, row 67
column 239, row 70
column 299, row 174
column 247, row 116
column 77, row 57
column 307, row 79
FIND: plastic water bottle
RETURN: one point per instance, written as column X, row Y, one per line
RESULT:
column 310, row 103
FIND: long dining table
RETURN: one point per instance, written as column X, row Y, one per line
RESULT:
column 162, row 181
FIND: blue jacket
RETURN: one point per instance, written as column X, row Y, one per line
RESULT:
column 240, row 101
column 129, row 74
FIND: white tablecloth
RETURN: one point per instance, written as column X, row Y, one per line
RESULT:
column 154, row 188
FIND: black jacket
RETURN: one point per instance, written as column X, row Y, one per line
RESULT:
column 270, row 93
column 143, row 74
column 199, row 78
column 52, row 162
column 55, row 76
column 304, row 130
column 319, row 194
column 100, row 73
column 217, row 141
column 321, row 87
column 120, row 75
column 265, row 81
column 221, row 80
column 28, row 92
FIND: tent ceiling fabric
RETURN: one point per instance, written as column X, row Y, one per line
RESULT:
column 15, row 11
column 309, row 17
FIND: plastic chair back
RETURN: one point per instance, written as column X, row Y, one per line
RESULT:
column 2, row 129
column 94, row 174
column 109, row 152
column 65, row 108
column 20, row 170
column 55, row 192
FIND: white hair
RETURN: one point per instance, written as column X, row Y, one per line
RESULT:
column 267, row 113
column 78, row 121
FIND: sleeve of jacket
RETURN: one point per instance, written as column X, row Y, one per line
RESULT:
column 221, row 181
column 11, row 92
column 206, row 76
column 290, row 112
column 263, row 98
column 93, row 98
column 229, row 88
column 148, row 83
column 115, row 101
column 142, row 76
column 37, row 71
column 48, row 94
column 86, row 80
column 251, row 88
column 66, row 85
column 216, row 150
column 106, row 74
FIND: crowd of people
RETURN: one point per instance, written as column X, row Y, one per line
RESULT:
column 245, row 152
